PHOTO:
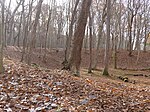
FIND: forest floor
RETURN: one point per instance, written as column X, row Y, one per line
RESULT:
column 55, row 58
column 47, row 88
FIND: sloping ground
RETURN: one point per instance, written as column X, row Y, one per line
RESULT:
column 24, row 88
column 54, row 59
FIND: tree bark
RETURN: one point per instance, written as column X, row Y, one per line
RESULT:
column 69, row 37
column 12, row 22
column 20, row 25
column 100, row 36
column 26, row 29
column 33, row 31
column 6, row 25
column 75, row 59
column 90, row 43
column 106, row 58
column 1, row 36
column 46, row 36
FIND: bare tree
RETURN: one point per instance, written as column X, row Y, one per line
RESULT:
column 20, row 24
column 11, row 21
column 7, row 24
column 90, row 42
column 69, row 37
column 2, row 36
column 75, row 58
column 106, row 57
column 100, row 28
column 33, row 31
column 146, row 22
column 46, row 36
column 26, row 28
column 133, row 9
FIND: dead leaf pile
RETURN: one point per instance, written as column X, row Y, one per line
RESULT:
column 30, row 89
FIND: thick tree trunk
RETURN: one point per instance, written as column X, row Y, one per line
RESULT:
column 75, row 59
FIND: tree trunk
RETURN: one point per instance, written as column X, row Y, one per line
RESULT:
column 75, row 59
column 1, row 36
column 146, row 37
column 20, row 24
column 6, row 25
column 33, row 31
column 46, row 36
column 90, row 43
column 106, row 58
column 115, row 52
column 86, row 40
column 12, row 22
column 100, row 36
column 69, row 37
column 26, row 30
